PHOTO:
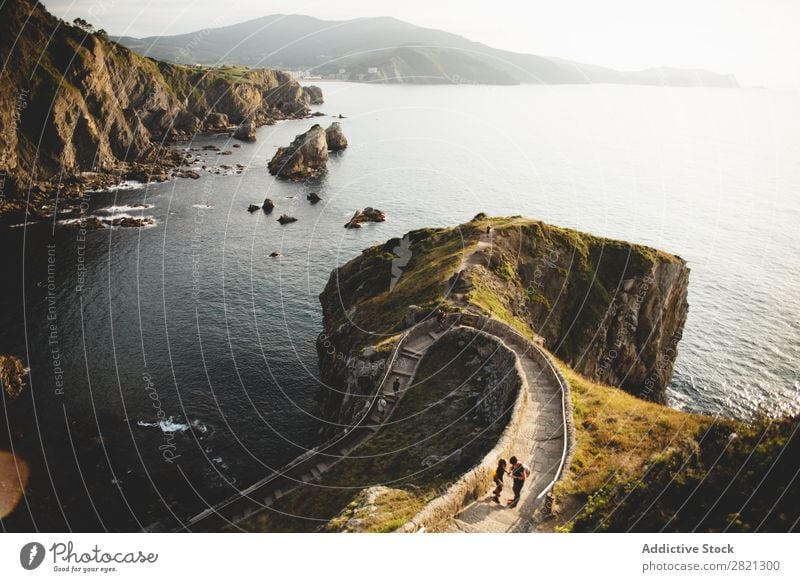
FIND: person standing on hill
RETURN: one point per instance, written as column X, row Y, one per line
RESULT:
column 519, row 473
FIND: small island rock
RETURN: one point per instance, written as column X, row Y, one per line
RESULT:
column 305, row 157
column 286, row 219
column 335, row 137
column 253, row 208
column 369, row 214
column 268, row 206
column 313, row 197
column 314, row 95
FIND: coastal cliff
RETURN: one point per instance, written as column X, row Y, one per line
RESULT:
column 630, row 464
column 613, row 311
column 77, row 109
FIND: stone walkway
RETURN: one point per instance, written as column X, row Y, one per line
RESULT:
column 539, row 445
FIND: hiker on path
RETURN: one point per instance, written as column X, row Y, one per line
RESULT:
column 396, row 388
column 499, row 474
column 382, row 407
column 519, row 473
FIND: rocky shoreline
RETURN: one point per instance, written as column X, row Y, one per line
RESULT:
column 110, row 115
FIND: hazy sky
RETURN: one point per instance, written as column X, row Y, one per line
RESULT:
column 757, row 40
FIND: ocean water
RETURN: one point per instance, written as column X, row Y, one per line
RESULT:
column 173, row 364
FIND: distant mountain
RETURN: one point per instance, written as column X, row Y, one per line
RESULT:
column 389, row 50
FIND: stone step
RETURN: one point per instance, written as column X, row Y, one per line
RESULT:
column 411, row 353
column 402, row 372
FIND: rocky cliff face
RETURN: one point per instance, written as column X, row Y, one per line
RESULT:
column 614, row 311
column 73, row 102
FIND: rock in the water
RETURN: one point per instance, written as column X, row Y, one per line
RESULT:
column 335, row 137
column 268, row 206
column 313, row 197
column 130, row 221
column 305, row 157
column 369, row 214
column 286, row 219
column 12, row 375
column 253, row 208
column 246, row 131
column 216, row 122
column 314, row 95
column 274, row 254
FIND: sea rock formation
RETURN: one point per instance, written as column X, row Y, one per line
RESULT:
column 335, row 137
column 268, row 206
column 313, row 197
column 246, row 131
column 253, row 207
column 369, row 214
column 12, row 376
column 306, row 157
column 314, row 94
column 77, row 110
column 286, row 219
column 614, row 311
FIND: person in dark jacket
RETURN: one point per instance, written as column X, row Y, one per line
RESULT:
column 519, row 473
column 499, row 474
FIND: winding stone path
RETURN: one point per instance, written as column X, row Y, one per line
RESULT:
column 540, row 443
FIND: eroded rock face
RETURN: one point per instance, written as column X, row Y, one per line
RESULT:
column 216, row 122
column 314, row 94
column 246, row 132
column 12, row 376
column 306, row 157
column 335, row 137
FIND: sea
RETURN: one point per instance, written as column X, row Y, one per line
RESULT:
column 174, row 364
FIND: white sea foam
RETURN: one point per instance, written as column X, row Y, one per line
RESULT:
column 124, row 208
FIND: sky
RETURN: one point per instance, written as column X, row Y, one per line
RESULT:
column 757, row 40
